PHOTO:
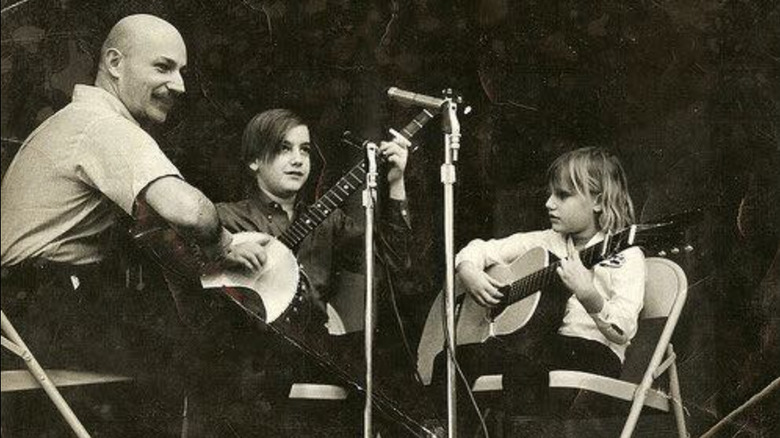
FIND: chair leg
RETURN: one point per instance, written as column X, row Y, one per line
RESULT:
column 500, row 423
column 185, row 421
column 640, row 394
column 43, row 379
column 636, row 409
column 674, row 389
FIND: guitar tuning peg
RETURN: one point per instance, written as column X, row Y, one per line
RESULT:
column 662, row 253
column 688, row 248
column 675, row 250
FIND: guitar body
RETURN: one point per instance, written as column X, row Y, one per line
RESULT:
column 475, row 324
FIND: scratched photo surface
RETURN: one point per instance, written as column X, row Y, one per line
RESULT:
column 686, row 93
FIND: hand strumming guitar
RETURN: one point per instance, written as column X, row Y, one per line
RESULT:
column 250, row 255
column 482, row 287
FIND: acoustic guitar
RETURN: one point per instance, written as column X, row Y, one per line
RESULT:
column 525, row 280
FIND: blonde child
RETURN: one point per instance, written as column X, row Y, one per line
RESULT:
column 599, row 306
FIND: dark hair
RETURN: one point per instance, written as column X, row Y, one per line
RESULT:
column 265, row 133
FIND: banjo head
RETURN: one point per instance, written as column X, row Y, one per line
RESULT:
column 276, row 283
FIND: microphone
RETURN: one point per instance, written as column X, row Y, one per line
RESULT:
column 410, row 98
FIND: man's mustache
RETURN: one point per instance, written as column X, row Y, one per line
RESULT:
column 168, row 97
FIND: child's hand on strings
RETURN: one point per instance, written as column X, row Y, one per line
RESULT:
column 579, row 280
column 481, row 286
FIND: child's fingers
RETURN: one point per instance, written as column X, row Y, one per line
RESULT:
column 561, row 272
column 487, row 296
column 493, row 282
column 492, row 296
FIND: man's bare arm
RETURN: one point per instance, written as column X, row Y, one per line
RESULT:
column 189, row 211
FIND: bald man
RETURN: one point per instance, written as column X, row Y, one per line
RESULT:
column 88, row 166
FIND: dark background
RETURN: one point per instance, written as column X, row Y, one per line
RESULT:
column 686, row 92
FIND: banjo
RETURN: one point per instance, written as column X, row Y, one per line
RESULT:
column 281, row 281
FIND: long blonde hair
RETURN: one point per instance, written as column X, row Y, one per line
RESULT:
column 597, row 174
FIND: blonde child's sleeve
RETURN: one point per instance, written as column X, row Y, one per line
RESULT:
column 486, row 253
column 621, row 283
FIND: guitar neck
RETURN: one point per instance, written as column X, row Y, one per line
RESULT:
column 316, row 213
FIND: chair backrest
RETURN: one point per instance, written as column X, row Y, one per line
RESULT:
column 665, row 292
column 664, row 284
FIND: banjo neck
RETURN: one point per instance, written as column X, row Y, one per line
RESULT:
column 315, row 214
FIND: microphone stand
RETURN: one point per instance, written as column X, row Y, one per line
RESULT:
column 369, row 198
column 451, row 130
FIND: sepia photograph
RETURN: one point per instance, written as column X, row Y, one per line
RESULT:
column 390, row 218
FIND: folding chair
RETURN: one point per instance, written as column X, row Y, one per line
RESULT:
column 665, row 293
column 37, row 377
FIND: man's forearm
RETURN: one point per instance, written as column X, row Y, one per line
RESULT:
column 190, row 212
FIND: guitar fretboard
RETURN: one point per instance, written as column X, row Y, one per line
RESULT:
column 316, row 213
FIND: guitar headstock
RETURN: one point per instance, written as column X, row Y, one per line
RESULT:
column 662, row 237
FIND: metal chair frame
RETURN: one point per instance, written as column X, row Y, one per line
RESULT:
column 666, row 290
column 36, row 377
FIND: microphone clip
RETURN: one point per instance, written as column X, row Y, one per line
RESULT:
column 354, row 141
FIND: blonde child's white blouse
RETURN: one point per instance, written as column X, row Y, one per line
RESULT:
column 619, row 280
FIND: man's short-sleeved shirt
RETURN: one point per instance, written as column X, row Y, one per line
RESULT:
column 73, row 177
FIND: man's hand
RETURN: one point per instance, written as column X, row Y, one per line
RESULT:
column 481, row 286
column 249, row 255
column 579, row 280
column 396, row 153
